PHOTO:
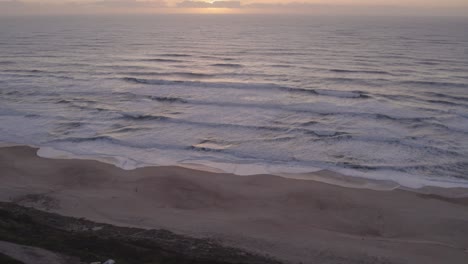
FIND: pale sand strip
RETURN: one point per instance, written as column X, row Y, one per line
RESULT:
column 295, row 220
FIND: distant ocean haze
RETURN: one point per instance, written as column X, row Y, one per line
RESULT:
column 381, row 98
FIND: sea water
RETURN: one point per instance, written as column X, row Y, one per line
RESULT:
column 375, row 97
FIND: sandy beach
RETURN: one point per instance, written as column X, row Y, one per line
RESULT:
column 292, row 220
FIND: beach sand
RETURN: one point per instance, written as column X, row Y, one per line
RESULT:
column 291, row 219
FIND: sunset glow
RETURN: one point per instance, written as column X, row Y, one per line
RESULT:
column 357, row 7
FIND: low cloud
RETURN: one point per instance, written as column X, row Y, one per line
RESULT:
column 203, row 4
column 11, row 4
column 15, row 7
column 128, row 3
column 374, row 10
column 327, row 9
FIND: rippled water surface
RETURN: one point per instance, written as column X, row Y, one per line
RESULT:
column 385, row 98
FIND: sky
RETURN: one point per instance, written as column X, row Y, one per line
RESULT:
column 320, row 7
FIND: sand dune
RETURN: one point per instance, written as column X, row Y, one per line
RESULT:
column 33, row 255
column 294, row 220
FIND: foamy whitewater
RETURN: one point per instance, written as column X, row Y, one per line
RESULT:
column 381, row 98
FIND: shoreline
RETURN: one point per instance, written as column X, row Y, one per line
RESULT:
column 291, row 220
column 333, row 177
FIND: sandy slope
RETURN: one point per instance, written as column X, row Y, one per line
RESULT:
column 294, row 220
column 33, row 255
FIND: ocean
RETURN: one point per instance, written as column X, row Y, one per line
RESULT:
column 376, row 97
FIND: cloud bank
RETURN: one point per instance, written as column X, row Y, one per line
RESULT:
column 127, row 4
column 18, row 7
column 215, row 4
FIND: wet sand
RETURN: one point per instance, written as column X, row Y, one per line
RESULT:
column 292, row 219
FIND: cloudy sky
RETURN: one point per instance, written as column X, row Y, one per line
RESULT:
column 364, row 7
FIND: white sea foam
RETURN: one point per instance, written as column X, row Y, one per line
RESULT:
column 380, row 180
column 121, row 162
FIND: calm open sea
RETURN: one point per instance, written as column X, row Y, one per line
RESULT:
column 382, row 98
